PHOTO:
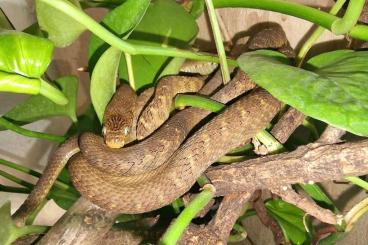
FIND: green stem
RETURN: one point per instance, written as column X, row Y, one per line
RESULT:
column 52, row 93
column 58, row 184
column 16, row 180
column 358, row 181
column 300, row 11
column 175, row 230
column 127, row 47
column 78, row 15
column 20, row 168
column 273, row 146
column 317, row 194
column 344, row 25
column 31, row 229
column 183, row 100
column 218, row 41
column 311, row 127
column 25, row 132
column 128, row 59
column 34, row 214
column 316, row 34
column 239, row 236
column 180, row 53
column 12, row 189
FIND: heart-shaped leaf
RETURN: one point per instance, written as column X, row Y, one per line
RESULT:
column 121, row 20
column 38, row 107
column 103, row 80
column 290, row 219
column 62, row 30
column 159, row 27
column 24, row 54
column 333, row 91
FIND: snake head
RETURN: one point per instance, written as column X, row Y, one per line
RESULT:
column 115, row 138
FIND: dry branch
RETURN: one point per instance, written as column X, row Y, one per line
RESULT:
column 313, row 162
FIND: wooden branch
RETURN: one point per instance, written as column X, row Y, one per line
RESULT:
column 313, row 162
column 287, row 124
column 84, row 223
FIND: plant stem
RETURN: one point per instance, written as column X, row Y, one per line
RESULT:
column 358, row 181
column 218, row 41
column 316, row 34
column 12, row 189
column 183, row 100
column 20, row 168
column 175, row 230
column 273, row 146
column 16, row 180
column 52, row 93
column 127, row 47
column 298, row 10
column 344, row 25
column 128, row 59
column 355, row 213
column 25, row 132
column 58, row 184
column 31, row 229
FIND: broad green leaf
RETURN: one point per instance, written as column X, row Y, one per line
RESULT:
column 4, row 22
column 7, row 227
column 64, row 198
column 62, row 30
column 159, row 27
column 10, row 82
column 38, row 107
column 333, row 91
column 319, row 196
column 103, row 80
column 197, row 8
column 88, row 122
column 35, row 30
column 24, row 54
column 290, row 219
column 9, row 232
column 173, row 67
column 333, row 238
column 121, row 21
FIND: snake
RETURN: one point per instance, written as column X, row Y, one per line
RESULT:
column 161, row 166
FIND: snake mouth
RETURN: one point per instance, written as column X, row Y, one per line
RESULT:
column 114, row 141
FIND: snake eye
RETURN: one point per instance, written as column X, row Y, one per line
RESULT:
column 104, row 131
column 126, row 131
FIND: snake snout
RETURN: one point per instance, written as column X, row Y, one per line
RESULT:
column 115, row 141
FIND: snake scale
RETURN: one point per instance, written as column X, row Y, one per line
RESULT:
column 155, row 171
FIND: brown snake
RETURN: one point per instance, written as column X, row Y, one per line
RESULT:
column 154, row 172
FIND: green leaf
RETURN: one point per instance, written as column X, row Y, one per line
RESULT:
column 121, row 21
column 334, row 91
column 38, row 107
column 19, row 84
column 319, row 196
column 64, row 198
column 4, row 21
column 62, row 30
column 9, row 232
column 290, row 219
column 333, row 238
column 24, row 54
column 88, row 122
column 159, row 27
column 197, row 8
column 103, row 80
column 7, row 227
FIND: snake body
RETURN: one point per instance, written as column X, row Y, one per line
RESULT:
column 173, row 178
column 157, row 170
